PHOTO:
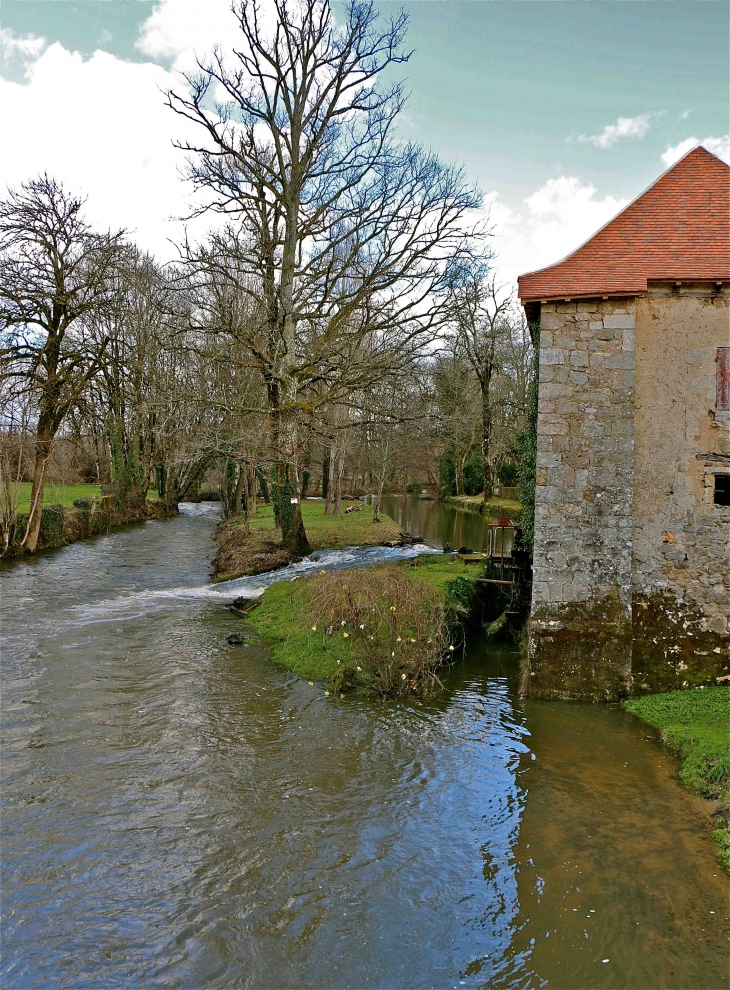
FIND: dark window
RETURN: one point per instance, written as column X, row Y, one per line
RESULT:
column 722, row 489
column 722, row 380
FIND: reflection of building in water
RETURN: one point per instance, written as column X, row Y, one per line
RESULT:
column 631, row 569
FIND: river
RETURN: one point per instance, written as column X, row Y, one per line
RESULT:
column 179, row 812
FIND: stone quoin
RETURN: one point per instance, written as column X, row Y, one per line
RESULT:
column 631, row 588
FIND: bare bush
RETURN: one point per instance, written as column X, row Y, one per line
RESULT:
column 399, row 627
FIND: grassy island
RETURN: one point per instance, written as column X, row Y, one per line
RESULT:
column 694, row 724
column 386, row 629
column 260, row 551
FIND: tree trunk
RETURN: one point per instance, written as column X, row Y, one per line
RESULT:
column 330, row 479
column 251, row 497
column 246, row 481
column 33, row 526
column 486, row 440
column 264, row 486
column 340, row 472
column 325, row 478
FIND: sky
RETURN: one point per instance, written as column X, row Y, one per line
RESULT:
column 562, row 111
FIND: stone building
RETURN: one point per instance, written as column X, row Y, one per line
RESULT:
column 631, row 573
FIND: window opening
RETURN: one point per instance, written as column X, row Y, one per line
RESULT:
column 722, row 489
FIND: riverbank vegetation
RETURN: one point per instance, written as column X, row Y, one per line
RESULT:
column 495, row 505
column 251, row 544
column 695, row 725
column 385, row 629
column 337, row 331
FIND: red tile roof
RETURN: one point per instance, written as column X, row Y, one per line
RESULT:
column 678, row 229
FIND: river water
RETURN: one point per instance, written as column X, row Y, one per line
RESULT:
column 178, row 812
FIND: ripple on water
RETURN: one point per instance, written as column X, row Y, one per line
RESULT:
column 181, row 813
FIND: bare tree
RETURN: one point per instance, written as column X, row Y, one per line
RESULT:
column 55, row 274
column 341, row 232
column 483, row 317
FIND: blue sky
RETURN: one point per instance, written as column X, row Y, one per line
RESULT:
column 561, row 110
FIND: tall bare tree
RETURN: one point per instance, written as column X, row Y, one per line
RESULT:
column 55, row 273
column 483, row 317
column 340, row 231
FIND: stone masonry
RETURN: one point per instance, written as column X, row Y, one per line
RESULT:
column 631, row 570
column 583, row 511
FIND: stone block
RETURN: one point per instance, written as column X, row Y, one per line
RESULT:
column 551, row 355
column 620, row 322
column 579, row 359
column 604, row 333
column 621, row 360
column 550, row 321
column 556, row 391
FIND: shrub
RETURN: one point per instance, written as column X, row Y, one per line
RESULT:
column 52, row 525
column 398, row 628
column 447, row 474
column 508, row 474
column 474, row 473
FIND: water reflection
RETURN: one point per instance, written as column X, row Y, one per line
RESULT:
column 440, row 523
column 179, row 812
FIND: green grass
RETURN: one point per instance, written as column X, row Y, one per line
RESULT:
column 492, row 507
column 695, row 724
column 64, row 495
column 281, row 619
column 328, row 531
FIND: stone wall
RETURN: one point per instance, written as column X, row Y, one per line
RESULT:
column 630, row 587
column 681, row 571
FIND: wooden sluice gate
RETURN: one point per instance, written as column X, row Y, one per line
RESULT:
column 508, row 565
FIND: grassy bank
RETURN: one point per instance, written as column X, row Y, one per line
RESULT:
column 261, row 551
column 695, row 725
column 64, row 495
column 76, row 512
column 494, row 506
column 386, row 627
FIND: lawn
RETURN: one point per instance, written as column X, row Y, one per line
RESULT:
column 285, row 616
column 696, row 725
column 65, row 495
column 331, row 532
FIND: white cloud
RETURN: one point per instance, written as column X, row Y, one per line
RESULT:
column 17, row 54
column 719, row 146
column 177, row 32
column 623, row 128
column 101, row 126
column 559, row 217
